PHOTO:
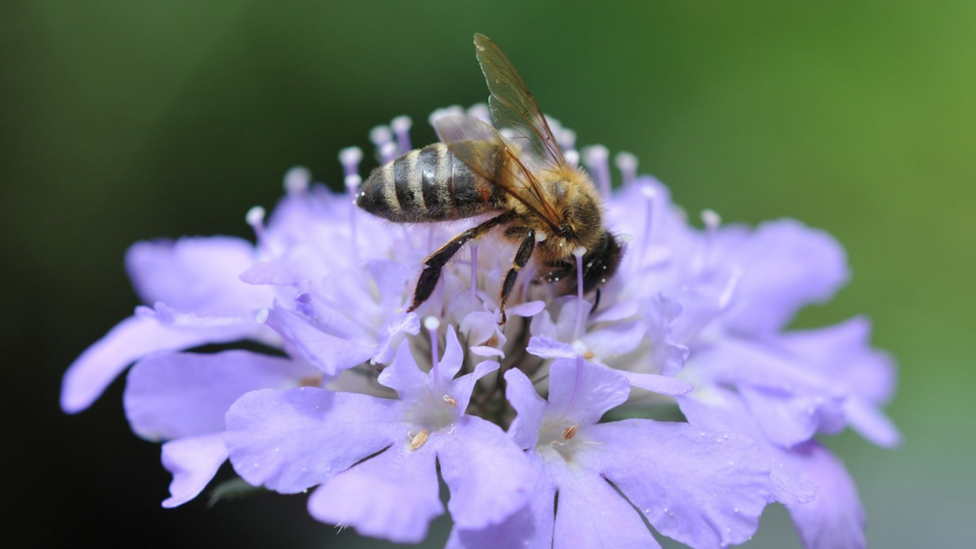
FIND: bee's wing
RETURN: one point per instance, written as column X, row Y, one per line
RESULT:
column 478, row 144
column 512, row 106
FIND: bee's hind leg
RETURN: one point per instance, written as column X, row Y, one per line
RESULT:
column 436, row 261
column 521, row 259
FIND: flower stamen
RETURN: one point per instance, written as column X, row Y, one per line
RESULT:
column 417, row 440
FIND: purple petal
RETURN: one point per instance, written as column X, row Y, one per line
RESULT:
column 542, row 325
column 391, row 333
column 721, row 410
column 700, row 487
column 871, row 423
column 788, row 420
column 530, row 407
column 584, row 391
column 269, row 272
column 546, row 347
column 403, row 375
column 482, row 350
column 618, row 311
column 291, row 440
column 488, row 475
column 197, row 274
column 786, row 265
column 529, row 528
column 391, row 280
column 392, row 496
column 452, row 360
column 592, row 514
column 835, row 520
column 130, row 340
column 173, row 395
column 664, row 385
column 326, row 352
column 527, row 309
column 615, row 340
column 462, row 387
column 193, row 461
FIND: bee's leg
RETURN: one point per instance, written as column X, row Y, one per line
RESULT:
column 521, row 259
column 436, row 261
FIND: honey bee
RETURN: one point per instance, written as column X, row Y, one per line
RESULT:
column 548, row 207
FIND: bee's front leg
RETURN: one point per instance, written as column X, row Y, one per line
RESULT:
column 435, row 262
column 521, row 259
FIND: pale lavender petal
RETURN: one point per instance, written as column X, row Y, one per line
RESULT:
column 530, row 407
column 615, row 340
column 197, row 274
column 462, row 387
column 528, row 528
column 130, row 340
column 618, row 311
column 174, row 395
column 392, row 496
column 452, row 359
column 871, row 423
column 542, row 325
column 546, row 347
column 488, row 475
column 391, row 333
column 592, row 514
column 664, row 385
column 193, row 461
column 722, row 410
column 326, row 352
column 785, row 265
column 482, row 350
column 288, row 441
column 403, row 375
column 269, row 272
column 701, row 487
column 586, row 392
column 566, row 323
column 479, row 326
column 788, row 419
column 391, row 279
column 527, row 309
column 835, row 520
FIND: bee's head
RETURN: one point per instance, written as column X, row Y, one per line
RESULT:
column 600, row 263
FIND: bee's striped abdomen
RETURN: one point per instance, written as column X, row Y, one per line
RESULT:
column 428, row 185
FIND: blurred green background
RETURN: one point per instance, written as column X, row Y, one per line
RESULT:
column 122, row 121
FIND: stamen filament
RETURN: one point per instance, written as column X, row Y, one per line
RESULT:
column 432, row 324
column 474, row 270
column 650, row 194
column 578, row 252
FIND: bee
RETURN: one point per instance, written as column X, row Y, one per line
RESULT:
column 548, row 207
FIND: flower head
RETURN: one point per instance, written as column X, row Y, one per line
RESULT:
column 359, row 404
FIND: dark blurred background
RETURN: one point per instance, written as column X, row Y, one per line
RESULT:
column 122, row 121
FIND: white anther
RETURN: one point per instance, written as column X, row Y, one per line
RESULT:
column 625, row 238
column 255, row 216
column 572, row 157
column 352, row 183
column 453, row 110
column 711, row 219
column 350, row 156
column 595, row 154
column 579, row 251
column 262, row 316
column 401, row 123
column 579, row 347
column 626, row 162
column 380, row 135
column 388, row 151
column 431, row 323
column 648, row 191
column 480, row 111
column 297, row 180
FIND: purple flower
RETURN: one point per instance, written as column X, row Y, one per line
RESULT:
column 701, row 487
column 364, row 411
column 181, row 398
column 292, row 440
